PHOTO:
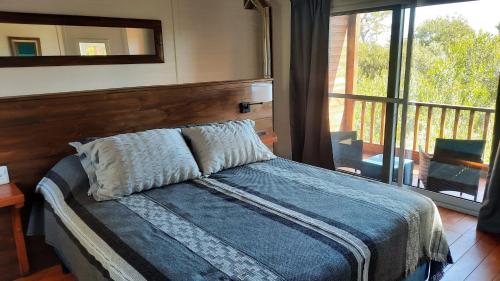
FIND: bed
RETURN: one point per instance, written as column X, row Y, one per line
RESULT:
column 270, row 220
column 266, row 220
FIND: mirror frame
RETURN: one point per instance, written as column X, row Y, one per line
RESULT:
column 52, row 19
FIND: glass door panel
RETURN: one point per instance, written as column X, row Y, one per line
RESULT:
column 359, row 59
column 359, row 53
column 445, row 98
column 455, row 69
column 358, row 146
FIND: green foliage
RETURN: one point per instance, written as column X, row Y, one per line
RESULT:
column 443, row 30
column 451, row 64
column 372, row 75
column 373, row 26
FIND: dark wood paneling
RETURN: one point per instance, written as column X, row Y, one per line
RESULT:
column 35, row 130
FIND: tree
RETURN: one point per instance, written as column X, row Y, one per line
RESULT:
column 443, row 30
column 454, row 64
column 373, row 25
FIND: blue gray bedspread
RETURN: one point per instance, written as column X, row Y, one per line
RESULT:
column 272, row 220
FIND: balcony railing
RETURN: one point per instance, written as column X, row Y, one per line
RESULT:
column 455, row 122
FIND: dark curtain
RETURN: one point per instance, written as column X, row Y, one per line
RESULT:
column 489, row 215
column 309, row 122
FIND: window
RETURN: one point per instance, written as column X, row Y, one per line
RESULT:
column 452, row 94
column 359, row 60
column 93, row 48
column 440, row 109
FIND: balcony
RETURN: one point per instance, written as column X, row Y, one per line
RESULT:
column 425, row 123
column 451, row 86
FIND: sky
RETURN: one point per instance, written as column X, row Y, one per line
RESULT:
column 482, row 14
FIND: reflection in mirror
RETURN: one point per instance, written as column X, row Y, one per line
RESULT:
column 24, row 40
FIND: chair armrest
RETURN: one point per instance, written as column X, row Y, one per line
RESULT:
column 459, row 162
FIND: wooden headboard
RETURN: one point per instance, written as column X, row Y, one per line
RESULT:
column 35, row 130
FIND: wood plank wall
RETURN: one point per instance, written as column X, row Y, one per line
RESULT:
column 35, row 130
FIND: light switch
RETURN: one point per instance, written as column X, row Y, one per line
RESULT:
column 4, row 175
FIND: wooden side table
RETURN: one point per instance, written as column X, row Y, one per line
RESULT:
column 11, row 196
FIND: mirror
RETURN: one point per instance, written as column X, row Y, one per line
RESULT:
column 29, row 40
column 36, row 40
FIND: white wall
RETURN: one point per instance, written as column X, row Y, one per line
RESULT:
column 238, row 31
column 203, row 41
column 281, row 68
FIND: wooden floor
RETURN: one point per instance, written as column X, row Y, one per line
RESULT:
column 476, row 254
column 50, row 274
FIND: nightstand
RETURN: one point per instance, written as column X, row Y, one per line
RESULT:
column 12, row 197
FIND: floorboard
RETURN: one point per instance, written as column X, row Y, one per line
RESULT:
column 476, row 254
column 54, row 273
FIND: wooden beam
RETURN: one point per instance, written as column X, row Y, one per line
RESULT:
column 455, row 125
column 338, row 30
column 486, row 125
column 471, row 124
column 382, row 122
column 372, row 120
column 363, row 109
column 441, row 125
column 428, row 129
column 415, row 128
column 350, row 84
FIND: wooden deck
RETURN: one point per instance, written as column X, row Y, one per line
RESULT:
column 476, row 254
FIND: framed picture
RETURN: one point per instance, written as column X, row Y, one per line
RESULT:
column 25, row 46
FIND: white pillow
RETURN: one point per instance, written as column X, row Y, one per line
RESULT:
column 226, row 145
column 129, row 163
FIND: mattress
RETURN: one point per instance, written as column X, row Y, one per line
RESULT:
column 271, row 220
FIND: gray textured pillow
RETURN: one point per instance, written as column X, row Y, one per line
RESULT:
column 226, row 145
column 129, row 163
column 84, row 156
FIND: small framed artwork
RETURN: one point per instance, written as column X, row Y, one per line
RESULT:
column 25, row 46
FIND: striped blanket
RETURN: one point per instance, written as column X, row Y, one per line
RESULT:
column 272, row 220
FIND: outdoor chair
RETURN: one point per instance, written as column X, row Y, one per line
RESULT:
column 456, row 166
column 424, row 160
column 347, row 149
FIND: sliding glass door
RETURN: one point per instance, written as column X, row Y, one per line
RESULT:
column 364, row 89
column 424, row 79
column 452, row 91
